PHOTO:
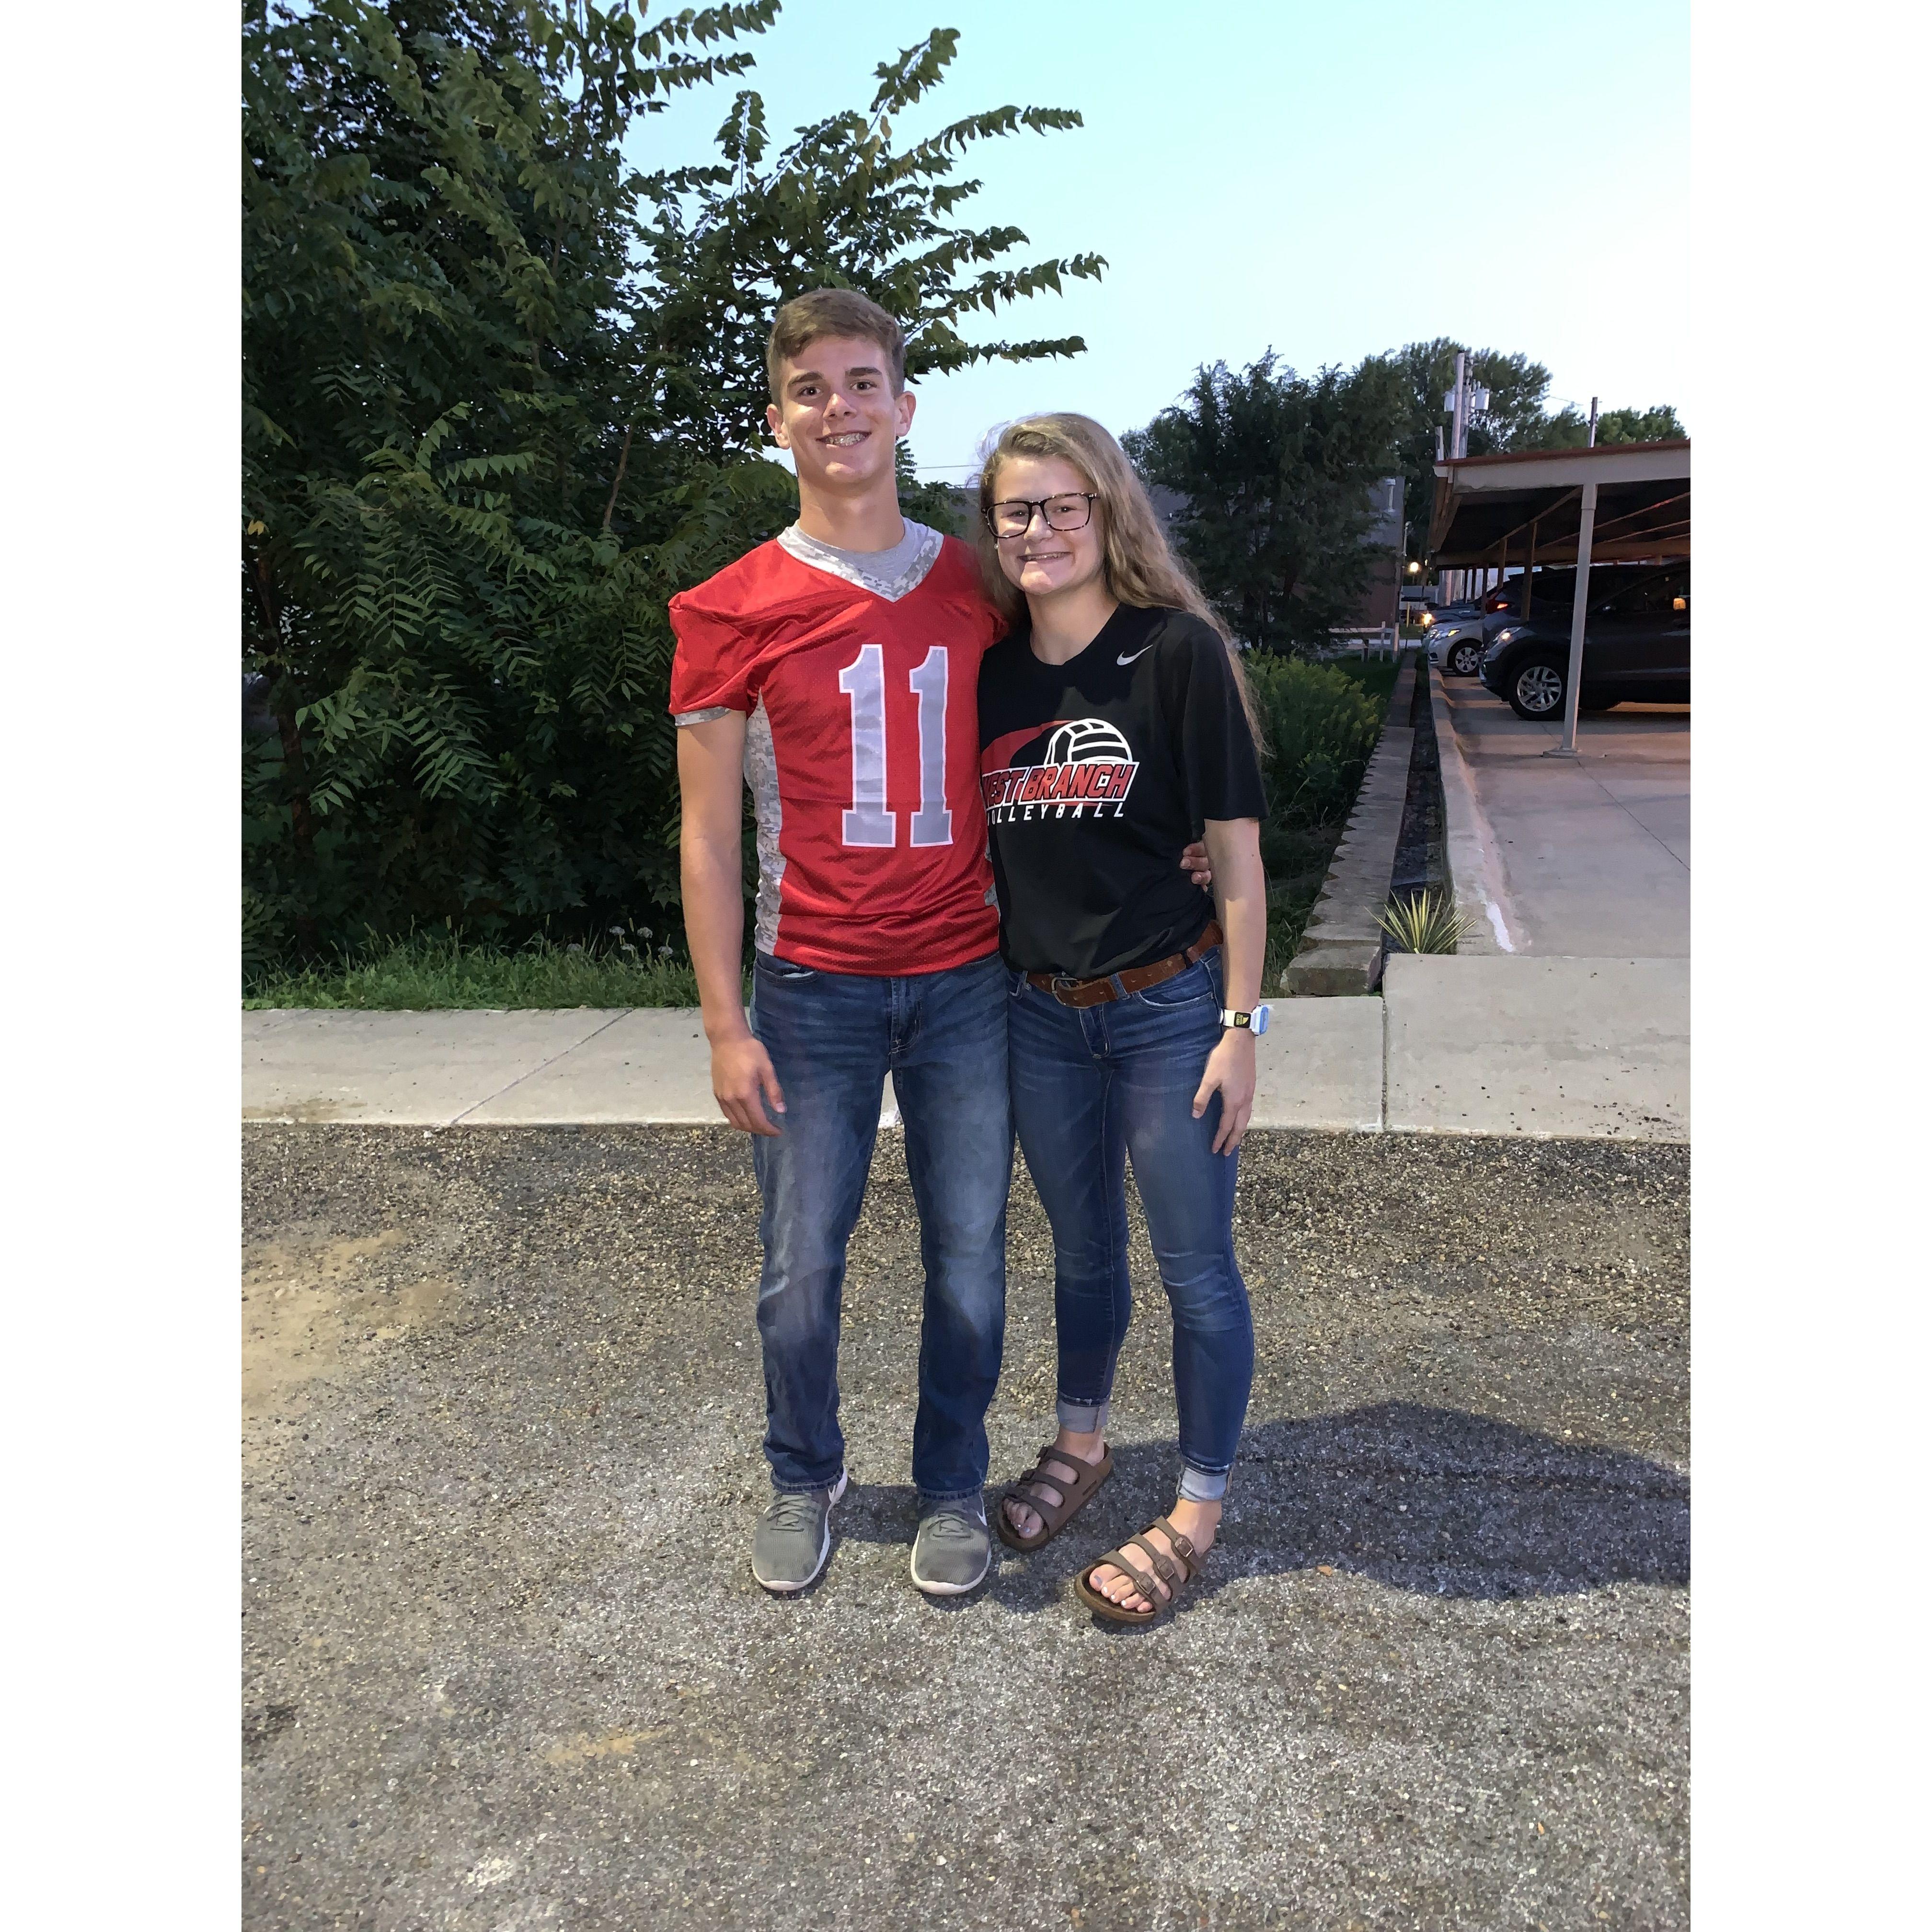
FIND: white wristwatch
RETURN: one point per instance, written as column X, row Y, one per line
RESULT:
column 1256, row 1022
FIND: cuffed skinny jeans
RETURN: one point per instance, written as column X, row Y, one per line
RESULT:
column 833, row 1038
column 1092, row 1087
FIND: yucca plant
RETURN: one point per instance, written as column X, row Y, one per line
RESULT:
column 1426, row 923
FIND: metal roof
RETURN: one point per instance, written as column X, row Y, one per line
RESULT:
column 1487, row 506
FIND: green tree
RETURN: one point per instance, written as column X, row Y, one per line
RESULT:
column 1569, row 428
column 493, row 420
column 839, row 207
column 1277, row 472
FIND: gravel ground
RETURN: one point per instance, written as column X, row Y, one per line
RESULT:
column 506, row 1667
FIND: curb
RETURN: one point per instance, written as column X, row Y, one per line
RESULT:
column 1475, row 874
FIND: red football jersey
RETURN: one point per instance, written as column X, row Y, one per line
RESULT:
column 862, row 754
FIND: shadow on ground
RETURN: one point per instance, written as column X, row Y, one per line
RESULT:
column 1432, row 1500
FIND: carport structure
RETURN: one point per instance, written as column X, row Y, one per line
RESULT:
column 1618, row 502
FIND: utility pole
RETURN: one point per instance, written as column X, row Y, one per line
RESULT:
column 1474, row 398
column 1459, row 405
column 1442, row 576
column 1593, row 422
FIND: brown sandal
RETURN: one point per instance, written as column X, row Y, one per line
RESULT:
column 1076, row 1490
column 1161, row 1590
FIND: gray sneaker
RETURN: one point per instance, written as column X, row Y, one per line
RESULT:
column 793, row 1538
column 953, row 1549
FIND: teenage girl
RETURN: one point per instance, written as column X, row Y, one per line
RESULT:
column 1115, row 727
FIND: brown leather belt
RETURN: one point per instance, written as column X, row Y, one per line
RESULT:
column 1135, row 979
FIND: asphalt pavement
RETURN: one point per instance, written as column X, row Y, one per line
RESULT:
column 506, row 1667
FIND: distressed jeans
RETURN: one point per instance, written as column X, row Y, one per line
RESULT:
column 833, row 1038
column 1092, row 1088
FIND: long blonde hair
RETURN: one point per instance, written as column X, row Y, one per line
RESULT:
column 1139, row 563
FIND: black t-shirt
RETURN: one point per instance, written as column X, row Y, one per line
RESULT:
column 1096, row 772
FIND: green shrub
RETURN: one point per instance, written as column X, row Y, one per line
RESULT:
column 1321, row 725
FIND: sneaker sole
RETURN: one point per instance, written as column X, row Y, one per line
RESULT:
column 824, row 1551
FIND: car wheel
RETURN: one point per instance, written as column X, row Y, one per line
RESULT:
column 1536, row 690
column 1464, row 658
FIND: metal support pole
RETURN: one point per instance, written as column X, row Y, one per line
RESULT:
column 1529, row 569
column 1579, row 605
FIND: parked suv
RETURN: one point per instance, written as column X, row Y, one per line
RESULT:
column 1556, row 584
column 1457, row 641
column 1637, row 645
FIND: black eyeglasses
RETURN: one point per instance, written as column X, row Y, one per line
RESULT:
column 1014, row 518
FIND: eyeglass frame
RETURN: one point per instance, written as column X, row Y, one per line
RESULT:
column 1039, row 503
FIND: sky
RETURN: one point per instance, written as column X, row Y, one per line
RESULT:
column 1327, row 180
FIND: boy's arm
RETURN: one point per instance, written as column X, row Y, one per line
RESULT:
column 711, row 778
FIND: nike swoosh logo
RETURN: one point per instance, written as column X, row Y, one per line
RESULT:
column 1140, row 653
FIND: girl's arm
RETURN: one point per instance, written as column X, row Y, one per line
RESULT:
column 1240, row 899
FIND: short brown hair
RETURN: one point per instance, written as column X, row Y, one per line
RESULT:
column 806, row 319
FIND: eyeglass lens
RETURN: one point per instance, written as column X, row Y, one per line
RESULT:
column 1010, row 519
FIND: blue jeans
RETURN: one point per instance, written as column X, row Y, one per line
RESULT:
column 1091, row 1087
column 833, row 1038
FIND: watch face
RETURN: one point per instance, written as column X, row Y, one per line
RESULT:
column 1259, row 1019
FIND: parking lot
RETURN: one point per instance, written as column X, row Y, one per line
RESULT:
column 506, row 1668
column 1593, row 854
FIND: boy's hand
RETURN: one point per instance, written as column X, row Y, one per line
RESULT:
column 1194, row 863
column 744, row 1082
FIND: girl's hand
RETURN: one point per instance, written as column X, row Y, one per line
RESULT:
column 1231, row 1073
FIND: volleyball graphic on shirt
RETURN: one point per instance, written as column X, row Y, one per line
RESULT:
column 1088, row 738
column 1087, row 767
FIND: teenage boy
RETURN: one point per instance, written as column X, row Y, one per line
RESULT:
column 835, row 671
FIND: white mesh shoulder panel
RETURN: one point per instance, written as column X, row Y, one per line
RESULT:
column 909, row 566
column 761, row 774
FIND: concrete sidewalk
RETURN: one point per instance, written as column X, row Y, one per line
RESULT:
column 651, row 1067
column 1584, row 858
column 1547, row 1047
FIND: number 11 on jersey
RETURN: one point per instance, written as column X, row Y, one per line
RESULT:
column 867, row 821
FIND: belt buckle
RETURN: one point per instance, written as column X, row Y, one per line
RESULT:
column 1063, row 979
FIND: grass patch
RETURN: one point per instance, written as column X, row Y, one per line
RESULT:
column 437, row 972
